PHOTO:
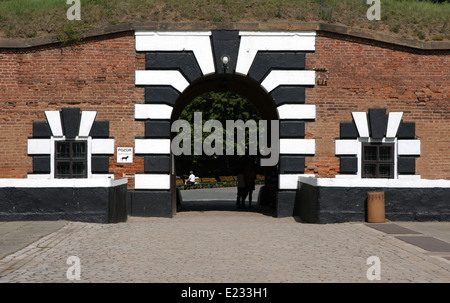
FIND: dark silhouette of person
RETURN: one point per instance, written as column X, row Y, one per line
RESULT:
column 250, row 177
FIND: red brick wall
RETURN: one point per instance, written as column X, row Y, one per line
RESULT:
column 96, row 75
column 99, row 75
column 363, row 76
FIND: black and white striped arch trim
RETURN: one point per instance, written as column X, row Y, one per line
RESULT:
column 70, row 123
column 174, row 60
column 376, row 126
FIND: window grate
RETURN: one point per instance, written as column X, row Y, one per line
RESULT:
column 70, row 159
column 377, row 160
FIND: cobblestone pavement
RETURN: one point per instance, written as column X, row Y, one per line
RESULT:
column 221, row 246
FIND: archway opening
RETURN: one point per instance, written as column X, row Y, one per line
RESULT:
column 224, row 98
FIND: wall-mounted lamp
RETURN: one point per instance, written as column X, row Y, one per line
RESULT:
column 225, row 60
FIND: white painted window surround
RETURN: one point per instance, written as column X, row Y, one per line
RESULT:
column 38, row 146
column 353, row 147
column 94, row 146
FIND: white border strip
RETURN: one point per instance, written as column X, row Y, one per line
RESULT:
column 409, row 147
column 197, row 42
column 394, row 120
column 288, row 77
column 297, row 111
column 161, row 77
column 362, row 125
column 346, row 147
column 152, row 111
column 54, row 121
column 298, row 146
column 390, row 183
column 152, row 146
column 288, row 181
column 39, row 146
column 152, row 181
column 87, row 119
column 102, row 146
column 252, row 42
column 42, row 183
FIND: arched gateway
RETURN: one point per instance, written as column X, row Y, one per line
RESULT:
column 268, row 68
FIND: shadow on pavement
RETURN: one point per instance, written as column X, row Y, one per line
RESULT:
column 223, row 205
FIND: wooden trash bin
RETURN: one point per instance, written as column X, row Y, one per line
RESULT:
column 375, row 207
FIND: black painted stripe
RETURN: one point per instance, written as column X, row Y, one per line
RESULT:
column 157, row 129
column 100, row 164
column 285, row 94
column 292, row 129
column 292, row 164
column 348, row 130
column 41, row 164
column 157, row 164
column 264, row 62
column 100, row 129
column 41, row 130
column 406, row 130
column 161, row 94
column 185, row 62
column 377, row 122
column 348, row 165
column 70, row 117
column 406, row 165
column 225, row 43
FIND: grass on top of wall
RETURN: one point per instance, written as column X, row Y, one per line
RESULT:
column 424, row 20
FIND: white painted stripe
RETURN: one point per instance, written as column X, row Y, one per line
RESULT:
column 152, row 181
column 152, row 111
column 362, row 125
column 409, row 177
column 103, row 146
column 346, row 147
column 394, row 119
column 87, row 119
column 288, row 181
column 39, row 146
column 297, row 111
column 152, row 146
column 288, row 77
column 54, row 121
column 408, row 147
column 197, row 42
column 375, row 182
column 46, row 183
column 161, row 77
column 39, row 176
column 102, row 176
column 252, row 42
column 298, row 146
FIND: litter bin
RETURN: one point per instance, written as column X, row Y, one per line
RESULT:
column 375, row 207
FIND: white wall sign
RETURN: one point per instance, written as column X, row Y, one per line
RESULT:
column 124, row 155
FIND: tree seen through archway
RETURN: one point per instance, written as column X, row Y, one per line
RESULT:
column 220, row 106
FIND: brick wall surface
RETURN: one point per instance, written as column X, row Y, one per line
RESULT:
column 99, row 75
column 363, row 76
column 95, row 75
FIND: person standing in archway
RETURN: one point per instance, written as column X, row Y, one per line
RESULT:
column 250, row 177
column 242, row 189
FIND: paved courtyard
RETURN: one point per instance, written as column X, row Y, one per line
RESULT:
column 220, row 244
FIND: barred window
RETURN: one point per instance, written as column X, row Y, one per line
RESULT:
column 377, row 160
column 71, row 159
